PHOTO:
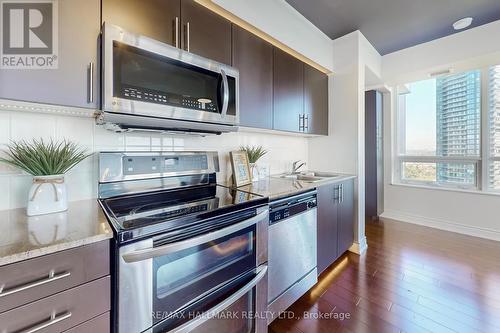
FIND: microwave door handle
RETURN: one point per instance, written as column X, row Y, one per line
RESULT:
column 148, row 253
column 225, row 93
column 214, row 311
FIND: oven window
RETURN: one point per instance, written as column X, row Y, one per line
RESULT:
column 146, row 76
column 191, row 274
column 239, row 317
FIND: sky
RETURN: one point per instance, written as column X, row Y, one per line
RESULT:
column 421, row 116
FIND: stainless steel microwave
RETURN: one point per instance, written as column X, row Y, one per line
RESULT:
column 149, row 85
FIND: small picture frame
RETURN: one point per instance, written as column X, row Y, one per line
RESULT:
column 241, row 168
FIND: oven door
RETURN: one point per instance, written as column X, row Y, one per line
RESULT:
column 142, row 76
column 169, row 286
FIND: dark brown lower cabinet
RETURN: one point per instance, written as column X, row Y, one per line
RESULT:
column 95, row 325
column 58, row 292
column 327, row 225
column 61, row 311
column 345, row 216
column 335, row 221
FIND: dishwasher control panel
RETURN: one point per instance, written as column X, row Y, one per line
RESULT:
column 289, row 207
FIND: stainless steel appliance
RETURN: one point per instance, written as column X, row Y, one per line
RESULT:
column 292, row 250
column 149, row 85
column 190, row 255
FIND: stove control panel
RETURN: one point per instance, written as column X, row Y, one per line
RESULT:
column 137, row 165
column 122, row 166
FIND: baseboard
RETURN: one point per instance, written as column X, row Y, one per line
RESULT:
column 359, row 247
column 442, row 225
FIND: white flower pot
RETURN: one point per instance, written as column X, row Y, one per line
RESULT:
column 47, row 195
column 255, row 171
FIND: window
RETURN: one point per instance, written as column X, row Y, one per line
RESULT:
column 439, row 141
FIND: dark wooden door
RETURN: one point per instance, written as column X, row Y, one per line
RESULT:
column 253, row 57
column 346, row 216
column 69, row 83
column 288, row 91
column 316, row 100
column 327, row 226
column 374, row 166
column 151, row 18
column 205, row 33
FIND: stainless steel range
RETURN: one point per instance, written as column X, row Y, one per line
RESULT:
column 190, row 255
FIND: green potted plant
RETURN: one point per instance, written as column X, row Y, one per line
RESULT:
column 254, row 153
column 47, row 162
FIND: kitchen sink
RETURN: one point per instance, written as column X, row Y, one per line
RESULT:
column 320, row 174
column 309, row 176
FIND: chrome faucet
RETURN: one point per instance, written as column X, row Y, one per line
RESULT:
column 296, row 166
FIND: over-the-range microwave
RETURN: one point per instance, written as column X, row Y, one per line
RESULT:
column 150, row 85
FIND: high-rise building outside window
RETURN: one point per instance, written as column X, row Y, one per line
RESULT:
column 494, row 128
column 458, row 124
column 439, row 127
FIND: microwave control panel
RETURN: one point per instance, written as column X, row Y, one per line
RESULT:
column 158, row 97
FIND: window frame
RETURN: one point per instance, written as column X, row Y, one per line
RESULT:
column 481, row 162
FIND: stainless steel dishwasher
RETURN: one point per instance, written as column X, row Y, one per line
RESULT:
column 292, row 254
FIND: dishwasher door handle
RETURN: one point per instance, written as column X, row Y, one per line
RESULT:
column 143, row 254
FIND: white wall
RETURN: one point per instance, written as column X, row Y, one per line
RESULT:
column 281, row 21
column 344, row 149
column 442, row 53
column 464, row 212
column 18, row 125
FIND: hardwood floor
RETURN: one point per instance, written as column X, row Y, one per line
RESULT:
column 412, row 279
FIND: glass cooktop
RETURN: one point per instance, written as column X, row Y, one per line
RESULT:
column 169, row 210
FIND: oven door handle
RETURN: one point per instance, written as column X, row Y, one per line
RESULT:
column 213, row 312
column 148, row 253
column 225, row 93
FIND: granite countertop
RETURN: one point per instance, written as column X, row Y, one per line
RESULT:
column 25, row 237
column 275, row 187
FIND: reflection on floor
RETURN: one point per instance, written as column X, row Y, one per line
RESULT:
column 412, row 279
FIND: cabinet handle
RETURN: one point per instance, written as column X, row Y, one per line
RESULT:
column 336, row 193
column 301, row 122
column 52, row 277
column 306, row 122
column 176, row 32
column 54, row 319
column 342, row 193
column 187, row 37
column 90, row 84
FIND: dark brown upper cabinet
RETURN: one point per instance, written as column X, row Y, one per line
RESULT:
column 288, row 85
column 253, row 57
column 181, row 23
column 315, row 101
column 74, row 81
column 205, row 33
column 152, row 18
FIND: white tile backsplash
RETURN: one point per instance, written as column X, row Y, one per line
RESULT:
column 26, row 126
column 4, row 127
column 4, row 192
column 82, row 180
